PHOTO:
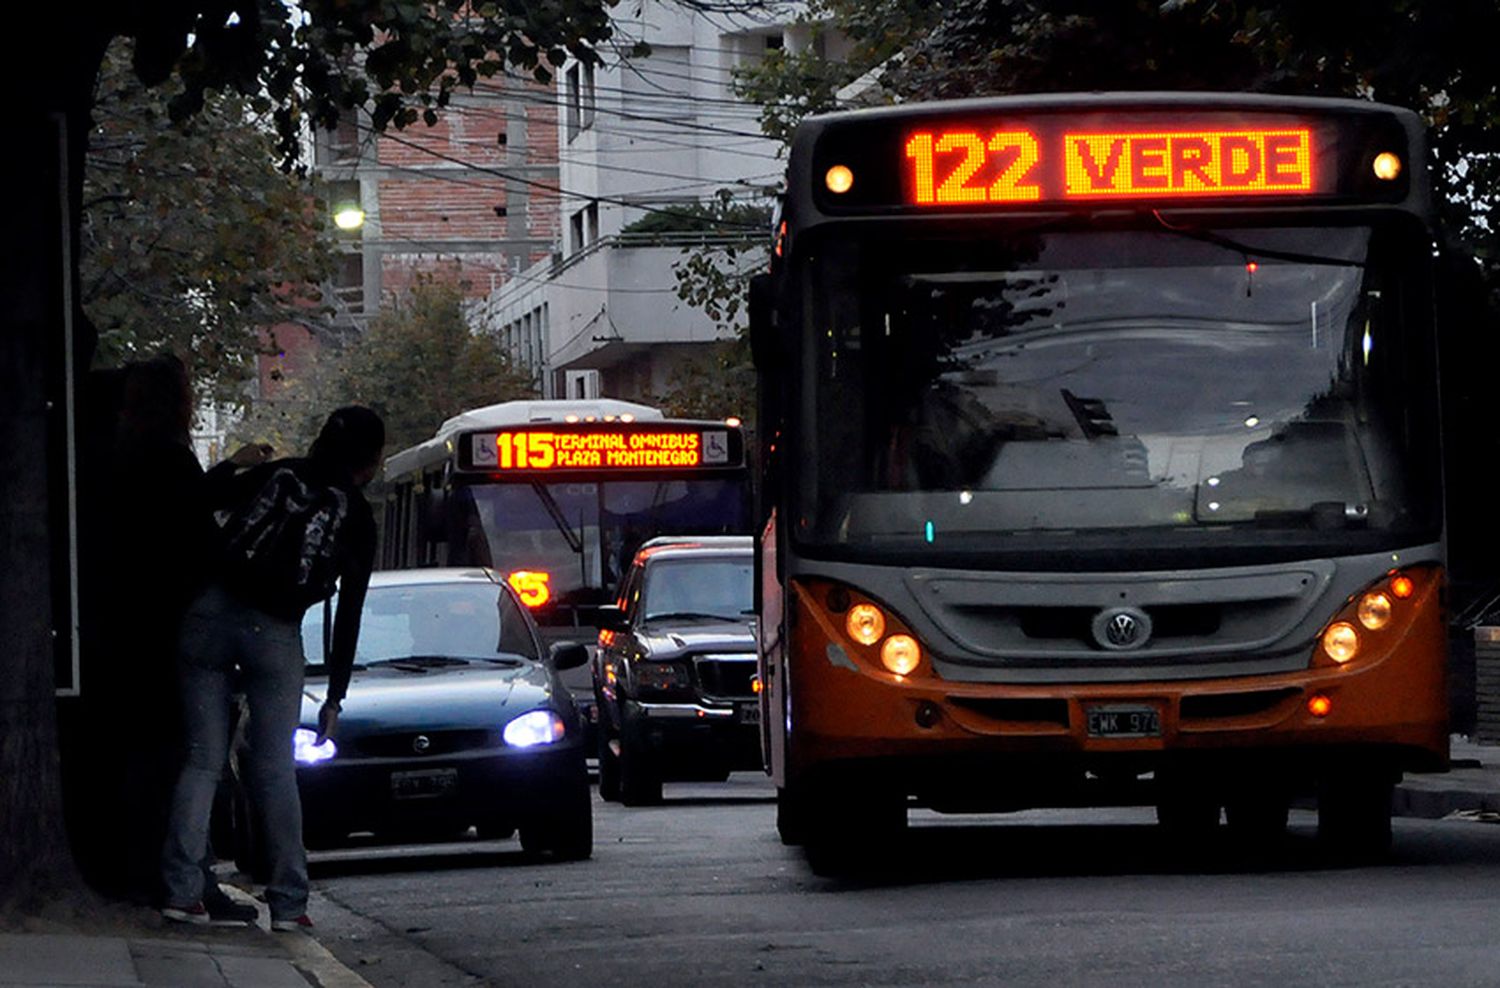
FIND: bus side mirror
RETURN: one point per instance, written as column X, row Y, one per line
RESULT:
column 764, row 346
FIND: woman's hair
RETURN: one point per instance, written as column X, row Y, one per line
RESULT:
column 351, row 439
column 156, row 402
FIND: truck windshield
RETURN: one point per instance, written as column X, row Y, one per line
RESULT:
column 1150, row 389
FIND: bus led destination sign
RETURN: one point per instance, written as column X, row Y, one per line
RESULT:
column 1012, row 165
column 540, row 450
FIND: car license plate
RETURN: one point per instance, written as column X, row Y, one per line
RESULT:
column 423, row 783
column 747, row 713
column 1122, row 721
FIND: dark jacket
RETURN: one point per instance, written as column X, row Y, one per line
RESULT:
column 354, row 551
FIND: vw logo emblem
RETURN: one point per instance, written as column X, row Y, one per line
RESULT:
column 1120, row 629
column 421, row 743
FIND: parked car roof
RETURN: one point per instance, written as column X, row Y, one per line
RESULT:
column 424, row 577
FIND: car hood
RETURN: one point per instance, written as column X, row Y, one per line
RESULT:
column 663, row 640
column 475, row 695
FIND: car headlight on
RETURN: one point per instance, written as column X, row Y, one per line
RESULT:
column 305, row 749
column 534, row 728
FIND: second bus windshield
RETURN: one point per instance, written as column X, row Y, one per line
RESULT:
column 1261, row 384
column 583, row 534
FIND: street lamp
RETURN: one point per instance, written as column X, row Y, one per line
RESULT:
column 348, row 216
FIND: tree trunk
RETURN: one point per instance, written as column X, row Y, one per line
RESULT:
column 34, row 853
column 42, row 175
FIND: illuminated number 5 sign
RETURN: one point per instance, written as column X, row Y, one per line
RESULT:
column 531, row 586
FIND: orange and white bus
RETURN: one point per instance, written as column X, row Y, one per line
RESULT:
column 556, row 495
column 1105, row 464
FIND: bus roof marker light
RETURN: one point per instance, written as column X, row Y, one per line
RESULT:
column 733, row 421
column 839, row 179
column 1387, row 166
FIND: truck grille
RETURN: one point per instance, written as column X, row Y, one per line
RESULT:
column 725, row 677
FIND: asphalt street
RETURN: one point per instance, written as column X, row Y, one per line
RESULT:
column 700, row 891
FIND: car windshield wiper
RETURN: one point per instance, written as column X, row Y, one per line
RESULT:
column 421, row 663
column 681, row 615
column 503, row 660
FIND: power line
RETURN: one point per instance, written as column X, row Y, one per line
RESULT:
column 559, row 190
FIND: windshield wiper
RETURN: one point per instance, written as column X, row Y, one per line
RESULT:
column 421, row 663
column 502, row 660
column 679, row 615
column 1248, row 250
column 574, row 539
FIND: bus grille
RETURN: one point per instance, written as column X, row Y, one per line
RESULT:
column 726, row 677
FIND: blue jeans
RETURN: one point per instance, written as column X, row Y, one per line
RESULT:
column 219, row 635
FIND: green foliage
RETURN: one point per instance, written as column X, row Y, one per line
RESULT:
column 417, row 365
column 399, row 59
column 722, row 214
column 191, row 237
column 712, row 386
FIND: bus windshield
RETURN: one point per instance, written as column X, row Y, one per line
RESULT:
column 1163, row 388
column 583, row 534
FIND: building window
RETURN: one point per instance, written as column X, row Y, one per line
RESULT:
column 349, row 281
column 571, row 101
column 586, row 114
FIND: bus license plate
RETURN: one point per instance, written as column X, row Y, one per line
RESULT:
column 747, row 713
column 1124, row 722
column 423, row 783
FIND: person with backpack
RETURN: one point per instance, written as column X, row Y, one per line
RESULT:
column 297, row 528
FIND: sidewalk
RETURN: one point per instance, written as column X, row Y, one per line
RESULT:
column 1471, row 787
column 172, row 956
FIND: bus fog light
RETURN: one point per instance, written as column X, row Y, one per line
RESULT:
column 1319, row 705
column 1375, row 611
column 1341, row 642
column 865, row 623
column 900, row 654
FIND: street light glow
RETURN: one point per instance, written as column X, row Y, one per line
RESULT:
column 349, row 217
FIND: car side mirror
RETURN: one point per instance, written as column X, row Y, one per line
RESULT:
column 609, row 617
column 569, row 655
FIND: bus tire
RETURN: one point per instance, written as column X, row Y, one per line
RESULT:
column 1354, row 816
column 849, row 831
column 791, row 815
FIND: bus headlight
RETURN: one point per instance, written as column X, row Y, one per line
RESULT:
column 865, row 623
column 1341, row 642
column 900, row 654
column 1374, row 611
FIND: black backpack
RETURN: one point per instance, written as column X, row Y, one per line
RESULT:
column 283, row 543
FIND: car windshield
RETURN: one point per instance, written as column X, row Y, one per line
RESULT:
column 1162, row 387
column 432, row 622
column 714, row 587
